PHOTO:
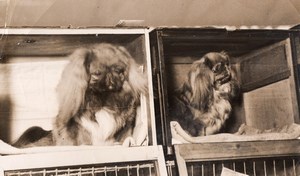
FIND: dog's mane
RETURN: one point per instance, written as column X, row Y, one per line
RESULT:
column 200, row 105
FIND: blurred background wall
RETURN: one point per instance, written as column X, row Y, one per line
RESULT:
column 78, row 13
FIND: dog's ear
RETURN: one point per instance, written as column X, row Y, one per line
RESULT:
column 225, row 55
column 72, row 86
column 206, row 61
column 137, row 76
column 201, row 81
column 234, row 84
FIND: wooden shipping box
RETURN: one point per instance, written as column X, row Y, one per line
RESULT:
column 31, row 64
column 266, row 61
column 32, row 61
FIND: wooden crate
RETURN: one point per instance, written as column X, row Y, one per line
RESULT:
column 32, row 60
column 36, row 56
column 267, row 67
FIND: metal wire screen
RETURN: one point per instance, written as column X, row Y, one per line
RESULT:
column 117, row 169
column 171, row 168
column 284, row 166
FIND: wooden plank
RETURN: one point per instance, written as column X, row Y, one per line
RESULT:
column 297, row 48
column 150, row 98
column 66, row 31
column 202, row 47
column 53, row 45
column 264, row 66
column 238, row 150
column 180, row 160
column 161, row 162
column 292, row 81
column 175, row 34
column 78, row 155
column 199, row 41
column 269, row 106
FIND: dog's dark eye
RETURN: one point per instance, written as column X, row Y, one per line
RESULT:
column 118, row 70
column 218, row 67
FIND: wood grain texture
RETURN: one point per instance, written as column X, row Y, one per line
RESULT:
column 238, row 150
column 264, row 66
column 89, row 155
column 52, row 45
column 269, row 107
column 274, row 104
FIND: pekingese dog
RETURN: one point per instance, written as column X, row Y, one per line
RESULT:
column 99, row 99
column 203, row 103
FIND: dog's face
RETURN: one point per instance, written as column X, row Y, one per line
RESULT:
column 206, row 75
column 107, row 74
column 220, row 66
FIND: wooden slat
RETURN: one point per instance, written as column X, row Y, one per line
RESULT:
column 181, row 162
column 71, row 31
column 269, row 107
column 177, row 34
column 161, row 162
column 199, row 41
column 264, row 66
column 238, row 150
column 41, row 45
column 294, row 91
column 204, row 46
column 152, row 133
column 81, row 155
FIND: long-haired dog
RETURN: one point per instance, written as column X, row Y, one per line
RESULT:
column 203, row 103
column 99, row 99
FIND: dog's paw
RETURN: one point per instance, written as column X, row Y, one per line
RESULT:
column 129, row 142
column 209, row 121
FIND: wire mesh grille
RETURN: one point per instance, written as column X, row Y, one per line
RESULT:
column 285, row 166
column 171, row 168
column 119, row 169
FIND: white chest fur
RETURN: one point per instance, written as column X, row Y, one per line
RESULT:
column 102, row 129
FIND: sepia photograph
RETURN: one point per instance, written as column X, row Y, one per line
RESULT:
column 146, row 88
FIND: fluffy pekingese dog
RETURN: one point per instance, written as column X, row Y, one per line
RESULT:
column 203, row 103
column 99, row 99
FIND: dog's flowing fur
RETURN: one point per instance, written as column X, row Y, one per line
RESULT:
column 203, row 103
column 99, row 97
